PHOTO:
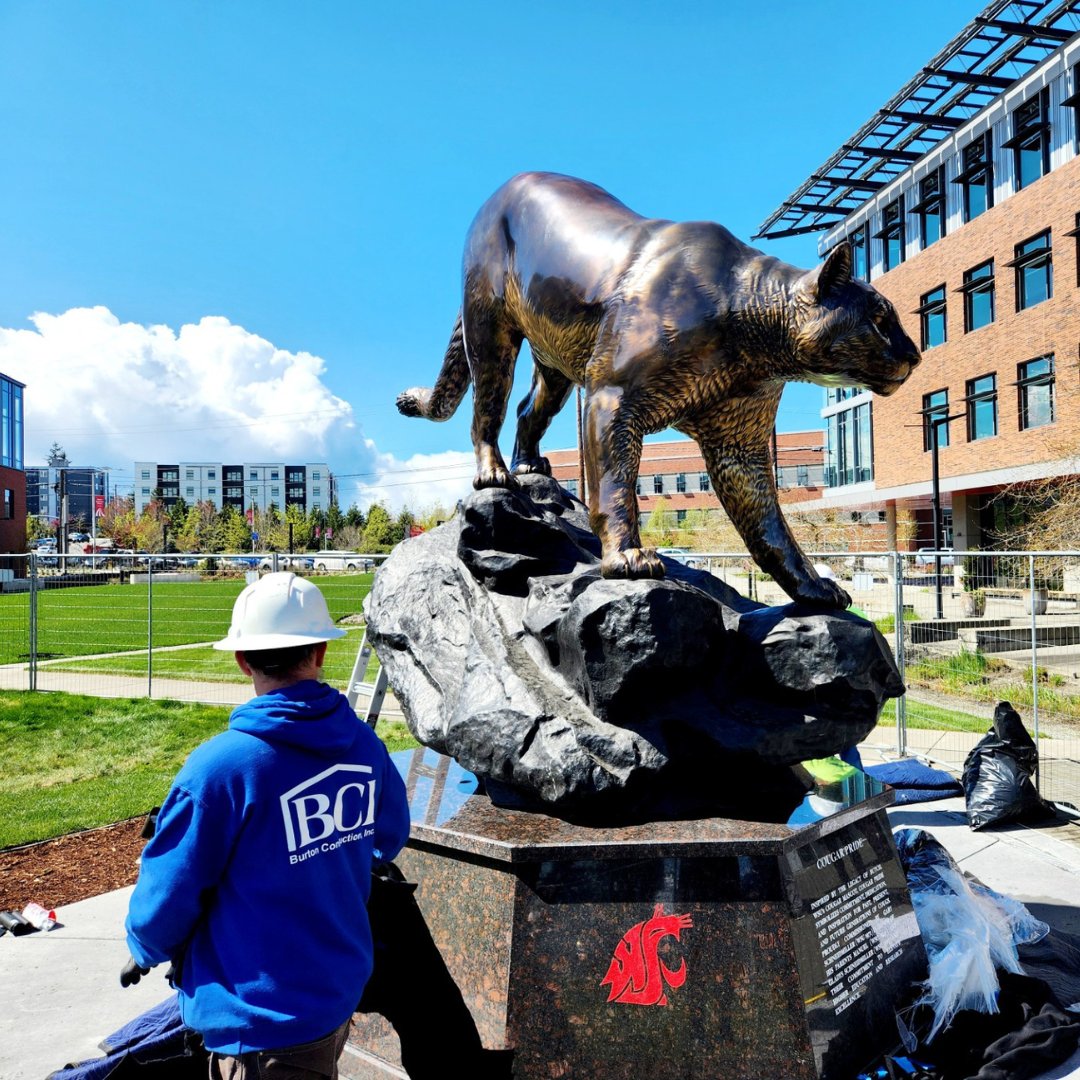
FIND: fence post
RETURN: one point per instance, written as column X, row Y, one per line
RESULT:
column 33, row 646
column 150, row 627
column 898, row 649
column 1034, row 666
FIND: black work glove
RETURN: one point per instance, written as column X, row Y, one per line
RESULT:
column 132, row 972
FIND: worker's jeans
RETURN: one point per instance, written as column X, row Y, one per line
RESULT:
column 308, row 1061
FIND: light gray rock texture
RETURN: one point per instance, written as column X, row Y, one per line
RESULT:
column 561, row 689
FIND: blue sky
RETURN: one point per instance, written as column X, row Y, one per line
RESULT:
column 232, row 231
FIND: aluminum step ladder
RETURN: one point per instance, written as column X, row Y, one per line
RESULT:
column 376, row 691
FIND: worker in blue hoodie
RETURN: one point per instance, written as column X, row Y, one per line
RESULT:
column 255, row 883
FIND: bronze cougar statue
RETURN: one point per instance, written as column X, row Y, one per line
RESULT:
column 665, row 324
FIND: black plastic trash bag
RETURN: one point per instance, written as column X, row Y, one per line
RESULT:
column 997, row 774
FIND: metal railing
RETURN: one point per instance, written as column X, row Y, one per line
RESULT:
column 967, row 631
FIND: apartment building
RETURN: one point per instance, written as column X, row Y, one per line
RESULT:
column 960, row 198
column 256, row 484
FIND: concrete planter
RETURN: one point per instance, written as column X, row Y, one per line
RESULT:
column 1035, row 601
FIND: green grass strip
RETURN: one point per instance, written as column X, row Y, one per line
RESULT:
column 75, row 762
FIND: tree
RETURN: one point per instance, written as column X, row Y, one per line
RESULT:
column 403, row 524
column 301, row 527
column 378, row 535
column 354, row 518
column 177, row 515
column 236, row 533
column 335, row 520
column 660, row 525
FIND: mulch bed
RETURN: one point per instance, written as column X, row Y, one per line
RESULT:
column 70, row 868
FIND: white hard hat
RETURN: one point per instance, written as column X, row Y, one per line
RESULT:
column 277, row 612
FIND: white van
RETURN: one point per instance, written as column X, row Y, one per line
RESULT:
column 340, row 560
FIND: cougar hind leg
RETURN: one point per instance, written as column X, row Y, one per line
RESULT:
column 547, row 395
column 440, row 401
column 491, row 345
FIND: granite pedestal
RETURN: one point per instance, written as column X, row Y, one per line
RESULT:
column 712, row 948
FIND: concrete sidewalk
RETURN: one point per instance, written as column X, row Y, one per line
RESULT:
column 60, row 993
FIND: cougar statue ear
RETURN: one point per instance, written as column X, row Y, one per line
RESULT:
column 833, row 272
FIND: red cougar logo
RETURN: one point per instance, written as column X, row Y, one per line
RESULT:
column 637, row 974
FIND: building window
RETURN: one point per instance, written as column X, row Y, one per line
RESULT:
column 1034, row 271
column 146, row 492
column 253, row 474
column 703, row 482
column 658, row 484
column 934, row 407
column 680, row 483
column 976, row 179
column 860, row 254
column 145, row 474
column 571, row 487
column 849, row 455
column 316, row 475
column 1035, row 384
column 189, row 492
column 931, row 207
column 1030, row 140
column 931, row 311
column 211, row 491
column 315, row 491
column 274, row 474
column 1073, row 102
column 211, row 474
column 978, row 290
column 892, row 234
column 9, row 504
column 275, row 493
column 981, row 395
column 189, row 474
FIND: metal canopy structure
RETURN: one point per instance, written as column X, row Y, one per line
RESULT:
column 999, row 47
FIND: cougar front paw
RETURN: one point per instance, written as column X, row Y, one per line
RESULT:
column 632, row 563
column 495, row 477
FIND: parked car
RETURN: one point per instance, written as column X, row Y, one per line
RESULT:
column 680, row 555
column 925, row 556
column 286, row 562
column 339, row 560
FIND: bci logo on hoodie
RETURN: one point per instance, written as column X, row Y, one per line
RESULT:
column 336, row 801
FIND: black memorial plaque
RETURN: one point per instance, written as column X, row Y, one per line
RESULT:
column 856, row 939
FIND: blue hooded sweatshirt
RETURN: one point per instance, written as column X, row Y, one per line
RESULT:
column 257, row 878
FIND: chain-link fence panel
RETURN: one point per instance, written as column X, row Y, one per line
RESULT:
column 984, row 627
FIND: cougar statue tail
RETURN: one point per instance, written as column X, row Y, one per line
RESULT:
column 440, row 401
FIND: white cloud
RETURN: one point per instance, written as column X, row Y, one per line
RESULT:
column 112, row 393
column 420, row 482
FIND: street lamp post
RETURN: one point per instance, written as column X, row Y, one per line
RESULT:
column 935, row 483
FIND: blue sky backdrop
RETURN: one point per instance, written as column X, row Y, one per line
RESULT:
column 233, row 231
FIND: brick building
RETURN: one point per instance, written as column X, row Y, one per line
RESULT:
column 675, row 471
column 961, row 199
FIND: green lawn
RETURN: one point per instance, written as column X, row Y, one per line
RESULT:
column 75, row 762
column 209, row 665
column 86, row 620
